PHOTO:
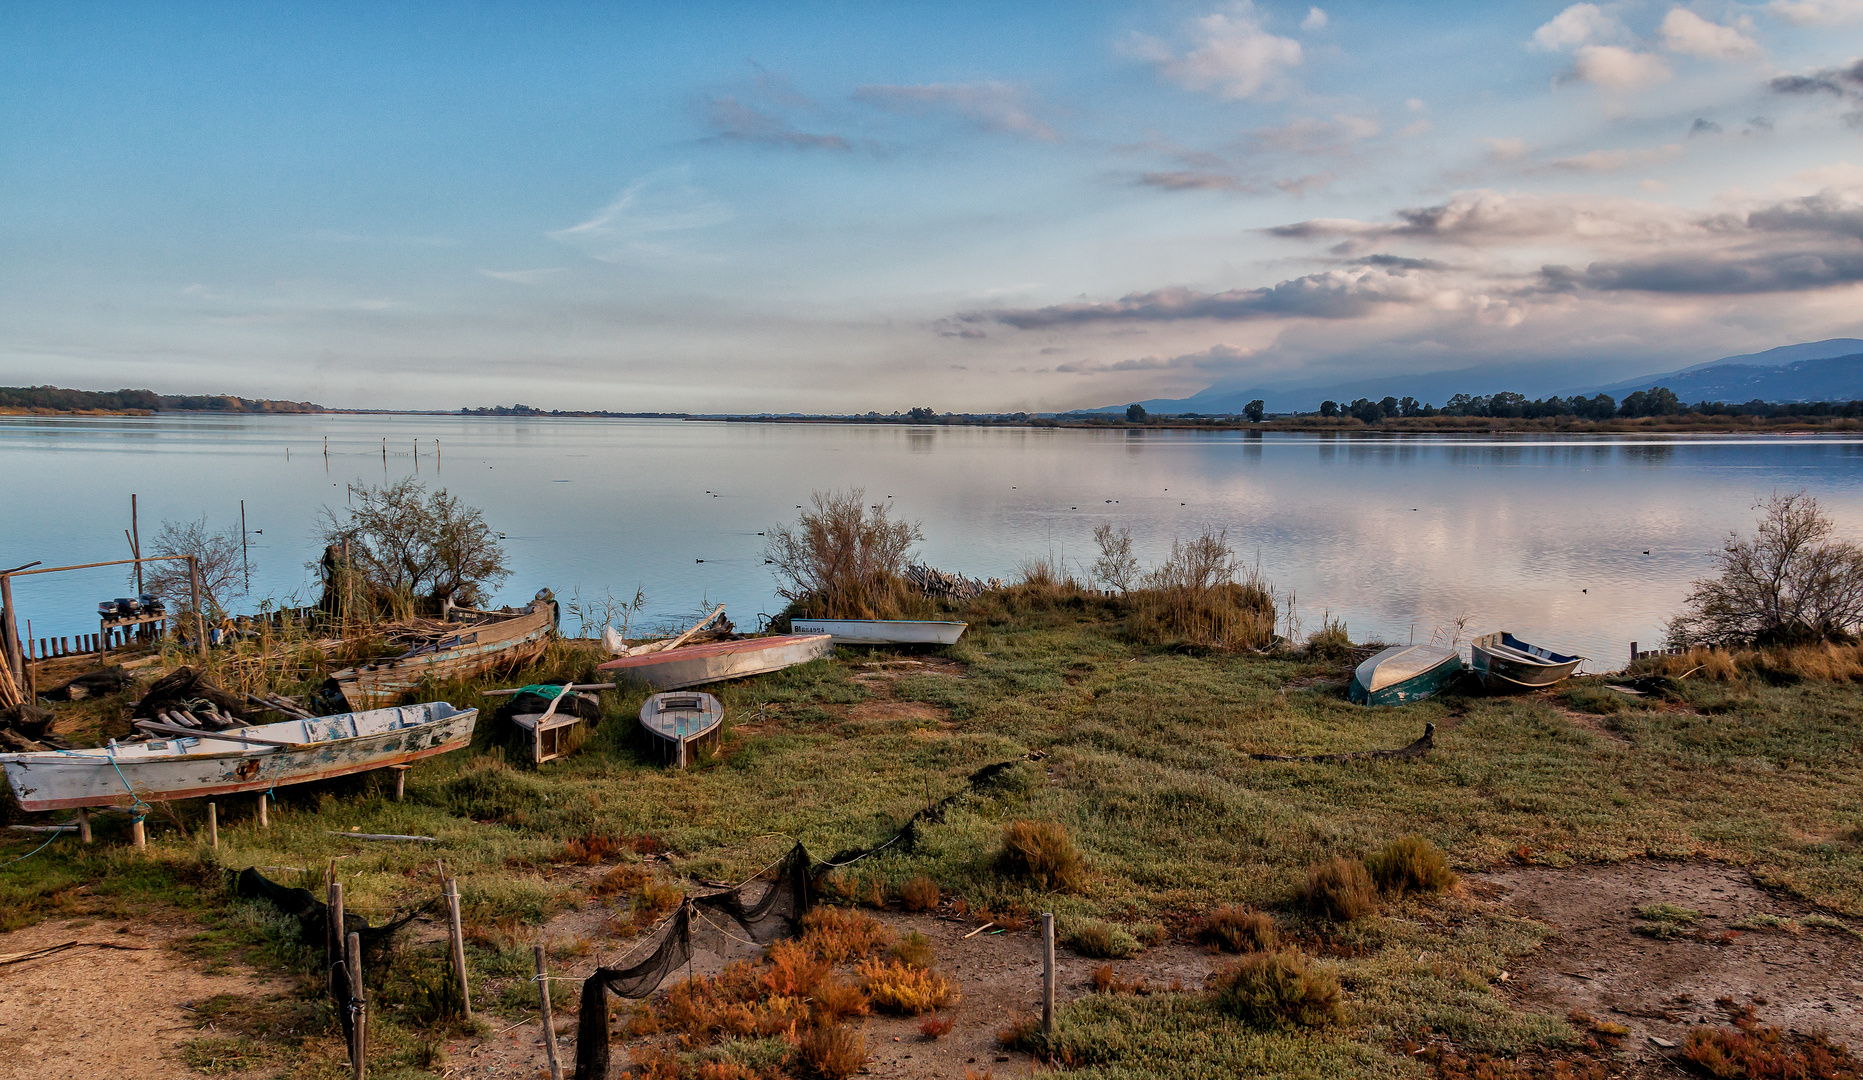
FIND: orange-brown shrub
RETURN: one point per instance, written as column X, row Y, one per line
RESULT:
column 1766, row 1053
column 794, row 970
column 624, row 878
column 935, row 1027
column 919, row 893
column 897, row 988
column 590, row 849
column 838, row 935
column 1339, row 889
column 914, row 950
column 834, row 1052
column 1041, row 852
column 835, row 1001
column 654, row 900
column 1237, row 929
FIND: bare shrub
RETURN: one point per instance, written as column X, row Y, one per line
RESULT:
column 1277, row 989
column 1410, row 864
column 1792, row 583
column 1339, row 889
column 834, row 1052
column 1201, row 596
column 1041, row 852
column 845, row 559
column 407, row 549
column 1237, row 930
column 1117, row 567
column 217, row 554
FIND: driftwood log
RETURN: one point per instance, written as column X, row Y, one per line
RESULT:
column 1416, row 749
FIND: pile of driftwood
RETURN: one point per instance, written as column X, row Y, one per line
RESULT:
column 184, row 699
column 942, row 586
column 24, row 728
column 713, row 627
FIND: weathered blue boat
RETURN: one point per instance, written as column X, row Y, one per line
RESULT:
column 1503, row 659
column 1404, row 673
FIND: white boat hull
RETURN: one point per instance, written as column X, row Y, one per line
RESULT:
column 194, row 767
column 882, row 631
column 696, row 665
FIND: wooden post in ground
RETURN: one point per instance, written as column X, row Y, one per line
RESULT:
column 1047, row 974
column 213, row 826
column 401, row 781
column 84, row 825
column 549, row 1025
column 9, row 632
column 333, row 925
column 136, row 833
column 359, row 1030
column 265, row 821
column 458, row 941
column 32, row 669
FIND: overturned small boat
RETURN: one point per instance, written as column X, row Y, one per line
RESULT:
column 1404, row 673
column 682, row 724
column 495, row 640
column 695, row 665
column 882, row 631
column 1503, row 660
column 187, row 763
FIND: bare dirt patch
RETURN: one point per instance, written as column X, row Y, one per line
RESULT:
column 868, row 711
column 104, row 1012
column 1662, row 976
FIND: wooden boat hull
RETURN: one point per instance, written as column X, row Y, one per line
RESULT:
column 681, row 725
column 696, row 665
column 1404, row 673
column 1503, row 661
column 882, row 631
column 475, row 649
column 190, row 768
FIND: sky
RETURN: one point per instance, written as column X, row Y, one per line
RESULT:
column 843, row 207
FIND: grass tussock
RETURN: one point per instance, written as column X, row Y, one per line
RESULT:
column 897, row 987
column 1237, row 930
column 1201, row 596
column 1041, row 853
column 1826, row 662
column 1276, row 989
column 1102, row 940
column 1330, row 642
column 655, row 901
column 1410, row 864
column 1340, row 889
column 913, row 950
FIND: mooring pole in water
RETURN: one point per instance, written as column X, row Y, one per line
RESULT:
column 1047, row 974
column 245, row 562
column 549, row 1025
column 135, row 541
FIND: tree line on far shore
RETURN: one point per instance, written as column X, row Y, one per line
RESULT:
column 1657, row 401
column 57, row 399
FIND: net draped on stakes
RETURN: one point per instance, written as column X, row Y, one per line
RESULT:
column 776, row 913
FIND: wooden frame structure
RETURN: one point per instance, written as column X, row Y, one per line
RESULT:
column 13, row 650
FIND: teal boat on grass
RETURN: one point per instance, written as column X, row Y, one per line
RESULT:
column 1404, row 673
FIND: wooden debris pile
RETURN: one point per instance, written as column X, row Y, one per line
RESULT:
column 184, row 699
column 25, row 728
column 940, row 585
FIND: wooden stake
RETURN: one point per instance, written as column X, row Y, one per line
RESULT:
column 9, row 632
column 244, row 562
column 264, row 821
column 135, row 542
column 200, row 618
column 401, row 781
column 459, row 946
column 1047, row 974
column 213, row 826
column 84, row 825
column 137, row 835
column 549, row 1026
column 359, row 1033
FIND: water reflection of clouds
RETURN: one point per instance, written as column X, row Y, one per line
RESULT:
column 1386, row 532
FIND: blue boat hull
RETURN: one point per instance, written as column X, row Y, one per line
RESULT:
column 1416, row 688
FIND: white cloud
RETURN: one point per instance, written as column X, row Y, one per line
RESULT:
column 1500, row 150
column 523, row 277
column 1576, row 25
column 642, row 219
column 1308, row 135
column 1315, row 20
column 992, row 106
column 1617, row 68
column 1817, row 12
column 1612, row 160
column 1233, row 56
column 1685, row 32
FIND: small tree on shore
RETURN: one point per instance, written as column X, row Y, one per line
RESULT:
column 843, row 558
column 1792, row 582
column 411, row 548
column 217, row 554
column 1116, row 566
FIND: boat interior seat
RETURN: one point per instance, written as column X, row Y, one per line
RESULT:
column 1517, row 654
column 668, row 704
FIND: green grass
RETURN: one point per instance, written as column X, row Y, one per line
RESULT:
column 1144, row 761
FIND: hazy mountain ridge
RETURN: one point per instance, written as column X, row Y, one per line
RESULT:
column 1830, row 370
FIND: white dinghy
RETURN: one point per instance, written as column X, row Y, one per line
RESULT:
column 882, row 631
column 190, row 764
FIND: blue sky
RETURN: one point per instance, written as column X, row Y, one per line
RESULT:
column 866, row 206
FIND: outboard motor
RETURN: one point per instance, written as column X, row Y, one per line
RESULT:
column 107, row 609
column 127, row 606
column 151, row 604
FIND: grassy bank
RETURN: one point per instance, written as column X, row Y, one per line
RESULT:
column 1141, row 752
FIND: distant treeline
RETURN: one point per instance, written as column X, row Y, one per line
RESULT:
column 57, row 399
column 531, row 410
column 1658, row 401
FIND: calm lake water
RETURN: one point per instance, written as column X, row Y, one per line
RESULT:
column 1583, row 544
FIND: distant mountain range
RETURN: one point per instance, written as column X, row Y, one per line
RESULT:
column 1829, row 370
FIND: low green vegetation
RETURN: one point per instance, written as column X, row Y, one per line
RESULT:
column 1132, row 808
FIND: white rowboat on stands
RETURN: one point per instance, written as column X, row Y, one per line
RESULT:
column 882, row 631
column 203, row 763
